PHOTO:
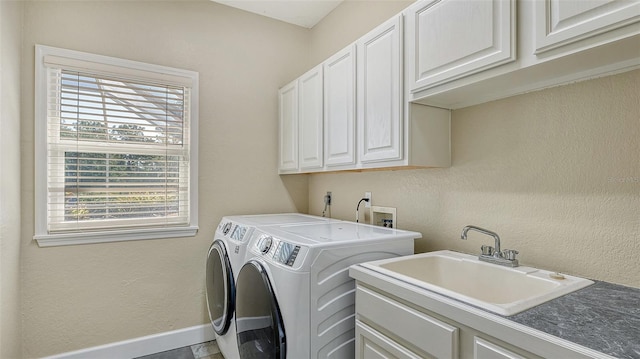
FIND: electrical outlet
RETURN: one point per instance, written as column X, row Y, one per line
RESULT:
column 327, row 198
column 368, row 203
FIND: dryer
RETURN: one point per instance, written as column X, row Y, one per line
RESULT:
column 295, row 298
column 225, row 257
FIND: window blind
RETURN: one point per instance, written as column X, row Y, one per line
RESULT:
column 117, row 154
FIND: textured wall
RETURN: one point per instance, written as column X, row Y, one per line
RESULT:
column 349, row 21
column 10, row 35
column 555, row 172
column 81, row 296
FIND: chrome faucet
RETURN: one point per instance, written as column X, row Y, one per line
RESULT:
column 493, row 254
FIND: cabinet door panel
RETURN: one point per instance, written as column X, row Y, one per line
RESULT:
column 427, row 334
column 371, row 344
column 339, row 108
column 380, row 93
column 450, row 39
column 562, row 22
column 310, row 119
column 288, row 98
column 483, row 349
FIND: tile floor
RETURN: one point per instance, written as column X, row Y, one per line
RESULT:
column 208, row 350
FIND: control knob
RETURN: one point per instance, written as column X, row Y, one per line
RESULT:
column 265, row 244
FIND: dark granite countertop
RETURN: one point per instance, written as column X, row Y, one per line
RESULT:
column 604, row 317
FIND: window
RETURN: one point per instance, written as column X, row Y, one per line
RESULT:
column 116, row 151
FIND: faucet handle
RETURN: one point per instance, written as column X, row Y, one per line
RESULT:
column 487, row 250
column 510, row 254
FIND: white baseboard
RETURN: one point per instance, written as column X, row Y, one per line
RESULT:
column 150, row 344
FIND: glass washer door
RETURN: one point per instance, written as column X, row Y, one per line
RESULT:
column 220, row 288
column 259, row 323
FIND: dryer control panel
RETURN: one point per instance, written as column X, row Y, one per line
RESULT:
column 278, row 250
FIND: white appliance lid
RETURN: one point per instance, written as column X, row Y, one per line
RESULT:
column 277, row 219
column 333, row 232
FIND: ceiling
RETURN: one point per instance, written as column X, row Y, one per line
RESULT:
column 305, row 13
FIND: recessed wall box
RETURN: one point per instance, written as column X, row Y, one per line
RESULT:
column 383, row 216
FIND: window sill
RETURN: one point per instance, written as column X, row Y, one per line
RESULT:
column 66, row 239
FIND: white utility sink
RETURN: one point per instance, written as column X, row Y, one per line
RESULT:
column 502, row 290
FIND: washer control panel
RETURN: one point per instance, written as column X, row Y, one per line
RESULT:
column 235, row 231
column 238, row 233
column 286, row 253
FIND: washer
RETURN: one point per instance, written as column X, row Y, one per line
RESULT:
column 224, row 260
column 295, row 298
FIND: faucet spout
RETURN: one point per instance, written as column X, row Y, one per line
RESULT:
column 495, row 236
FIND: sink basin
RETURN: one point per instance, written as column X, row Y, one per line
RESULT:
column 502, row 290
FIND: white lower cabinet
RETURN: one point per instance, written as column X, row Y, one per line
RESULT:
column 401, row 325
column 371, row 344
column 428, row 336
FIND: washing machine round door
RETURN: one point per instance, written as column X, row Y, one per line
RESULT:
column 220, row 288
column 259, row 324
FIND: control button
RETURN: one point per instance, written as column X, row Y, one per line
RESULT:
column 243, row 231
column 265, row 244
column 226, row 228
column 293, row 256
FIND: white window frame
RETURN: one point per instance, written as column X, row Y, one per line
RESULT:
column 79, row 60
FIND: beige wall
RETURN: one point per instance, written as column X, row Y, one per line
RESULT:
column 81, row 296
column 555, row 173
column 10, row 35
column 349, row 21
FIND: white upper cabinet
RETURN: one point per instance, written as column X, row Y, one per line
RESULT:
column 300, row 123
column 288, row 104
column 379, row 93
column 465, row 52
column 384, row 102
column 310, row 119
column 562, row 22
column 352, row 114
column 450, row 39
column 340, row 108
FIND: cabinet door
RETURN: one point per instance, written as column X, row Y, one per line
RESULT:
column 562, row 22
column 370, row 344
column 483, row 349
column 427, row 335
column 450, row 39
column 288, row 104
column 310, row 119
column 379, row 89
column 340, row 108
